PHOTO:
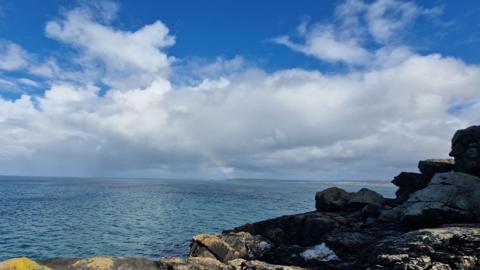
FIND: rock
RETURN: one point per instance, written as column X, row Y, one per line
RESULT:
column 430, row 167
column 240, row 264
column 370, row 210
column 449, row 197
column 228, row 246
column 331, row 199
column 349, row 242
column 363, row 197
column 409, row 182
column 21, row 264
column 102, row 263
column 305, row 229
column 450, row 247
column 390, row 215
column 466, row 150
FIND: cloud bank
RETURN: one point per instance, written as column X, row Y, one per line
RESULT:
column 390, row 108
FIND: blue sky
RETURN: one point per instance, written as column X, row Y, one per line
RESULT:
column 230, row 28
column 290, row 89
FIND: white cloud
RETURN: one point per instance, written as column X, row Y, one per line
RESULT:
column 234, row 119
column 129, row 58
column 356, row 23
column 289, row 123
column 323, row 43
column 12, row 56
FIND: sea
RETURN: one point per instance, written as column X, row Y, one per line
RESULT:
column 44, row 217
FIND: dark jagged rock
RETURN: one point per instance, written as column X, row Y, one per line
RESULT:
column 430, row 167
column 408, row 182
column 466, row 150
column 331, row 199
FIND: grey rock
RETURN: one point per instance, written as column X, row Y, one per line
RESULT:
column 448, row 198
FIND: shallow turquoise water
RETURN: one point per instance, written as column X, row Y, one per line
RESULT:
column 54, row 217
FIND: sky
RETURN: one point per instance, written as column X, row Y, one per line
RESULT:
column 351, row 89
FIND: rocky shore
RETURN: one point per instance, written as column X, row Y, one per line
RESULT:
column 433, row 223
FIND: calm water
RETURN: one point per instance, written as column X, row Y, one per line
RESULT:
column 46, row 218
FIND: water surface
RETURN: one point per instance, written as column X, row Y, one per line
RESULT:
column 78, row 217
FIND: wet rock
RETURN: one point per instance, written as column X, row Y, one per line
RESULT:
column 449, row 197
column 331, row 199
column 430, row 167
column 229, row 246
column 364, row 197
column 450, row 247
column 21, row 264
column 466, row 150
column 409, row 182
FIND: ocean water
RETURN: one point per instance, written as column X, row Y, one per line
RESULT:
column 45, row 218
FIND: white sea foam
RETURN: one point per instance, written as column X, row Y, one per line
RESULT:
column 319, row 252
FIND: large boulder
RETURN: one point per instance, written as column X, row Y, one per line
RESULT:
column 21, row 264
column 448, row 198
column 364, row 197
column 466, row 150
column 451, row 247
column 430, row 167
column 228, row 246
column 331, row 199
column 408, row 182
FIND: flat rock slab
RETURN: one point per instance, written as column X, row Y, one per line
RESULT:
column 451, row 197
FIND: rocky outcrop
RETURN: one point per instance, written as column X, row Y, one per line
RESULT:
column 466, row 150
